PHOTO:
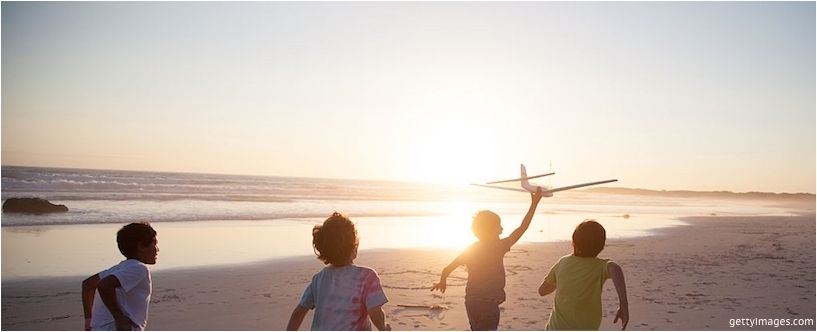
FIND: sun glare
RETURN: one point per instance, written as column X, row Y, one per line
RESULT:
column 452, row 150
column 456, row 231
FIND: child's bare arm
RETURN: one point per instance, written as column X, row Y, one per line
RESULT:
column 107, row 292
column 297, row 318
column 623, row 312
column 446, row 272
column 546, row 288
column 534, row 201
column 379, row 318
column 88, row 291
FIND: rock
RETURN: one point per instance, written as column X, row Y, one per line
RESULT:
column 31, row 205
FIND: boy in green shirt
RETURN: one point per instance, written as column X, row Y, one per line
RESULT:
column 578, row 280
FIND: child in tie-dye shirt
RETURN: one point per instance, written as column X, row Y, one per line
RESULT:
column 345, row 296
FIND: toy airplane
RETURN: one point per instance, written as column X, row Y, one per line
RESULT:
column 527, row 187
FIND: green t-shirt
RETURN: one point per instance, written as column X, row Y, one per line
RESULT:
column 577, row 303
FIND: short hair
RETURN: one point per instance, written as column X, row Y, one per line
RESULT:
column 588, row 238
column 482, row 220
column 335, row 241
column 131, row 235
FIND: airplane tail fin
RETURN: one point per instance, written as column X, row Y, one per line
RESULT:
column 524, row 179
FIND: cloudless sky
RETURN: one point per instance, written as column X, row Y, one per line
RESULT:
column 665, row 95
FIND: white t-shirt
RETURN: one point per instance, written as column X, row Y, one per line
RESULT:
column 341, row 297
column 133, row 297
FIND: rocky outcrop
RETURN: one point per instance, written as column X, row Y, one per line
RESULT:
column 31, row 205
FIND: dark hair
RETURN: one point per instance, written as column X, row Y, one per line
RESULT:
column 336, row 240
column 131, row 235
column 588, row 238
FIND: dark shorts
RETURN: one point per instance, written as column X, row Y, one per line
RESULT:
column 482, row 315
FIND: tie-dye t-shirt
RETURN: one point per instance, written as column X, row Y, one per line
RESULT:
column 341, row 297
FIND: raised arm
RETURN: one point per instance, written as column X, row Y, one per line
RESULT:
column 88, row 291
column 623, row 312
column 107, row 292
column 297, row 318
column 457, row 262
column 534, row 201
column 378, row 318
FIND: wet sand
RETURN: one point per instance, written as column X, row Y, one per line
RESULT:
column 694, row 277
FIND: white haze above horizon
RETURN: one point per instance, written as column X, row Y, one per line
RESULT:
column 661, row 95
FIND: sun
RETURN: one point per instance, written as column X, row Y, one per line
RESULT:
column 451, row 153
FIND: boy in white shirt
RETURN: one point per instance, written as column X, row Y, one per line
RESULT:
column 124, row 289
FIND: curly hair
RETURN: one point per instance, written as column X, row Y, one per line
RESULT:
column 484, row 222
column 336, row 241
column 588, row 238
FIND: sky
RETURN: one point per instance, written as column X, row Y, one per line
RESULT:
column 660, row 95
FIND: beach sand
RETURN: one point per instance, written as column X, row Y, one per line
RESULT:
column 694, row 277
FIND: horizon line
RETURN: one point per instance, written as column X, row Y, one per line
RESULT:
column 396, row 181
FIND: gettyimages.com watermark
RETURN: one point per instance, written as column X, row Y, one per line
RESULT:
column 770, row 322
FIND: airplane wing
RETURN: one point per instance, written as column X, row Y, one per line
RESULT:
column 546, row 191
column 520, row 179
column 498, row 187
column 531, row 188
column 577, row 186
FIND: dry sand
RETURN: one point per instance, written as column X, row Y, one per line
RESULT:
column 694, row 277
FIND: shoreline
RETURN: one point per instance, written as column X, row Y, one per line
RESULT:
column 38, row 251
column 681, row 278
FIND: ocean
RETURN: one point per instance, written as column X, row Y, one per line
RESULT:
column 105, row 196
column 211, row 219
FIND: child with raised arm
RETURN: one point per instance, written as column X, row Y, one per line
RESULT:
column 345, row 296
column 124, row 289
column 485, row 288
column 578, row 280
